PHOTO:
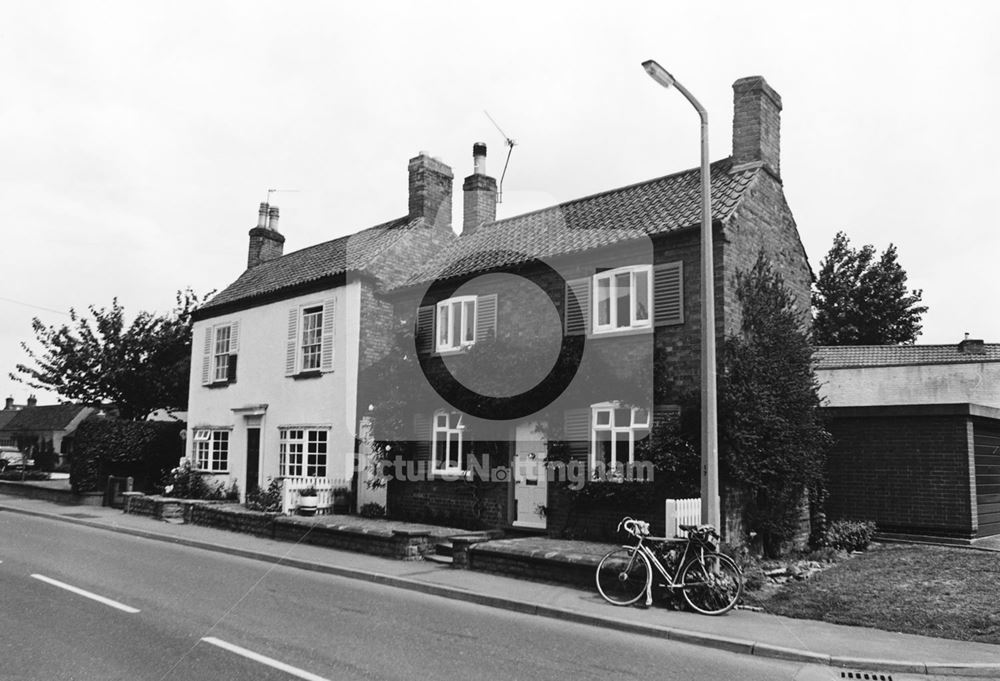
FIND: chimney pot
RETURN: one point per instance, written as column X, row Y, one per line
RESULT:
column 8, row 404
column 479, row 158
column 32, row 401
column 756, row 124
column 262, row 215
column 272, row 218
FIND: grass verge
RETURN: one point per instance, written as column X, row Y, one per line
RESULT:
column 934, row 591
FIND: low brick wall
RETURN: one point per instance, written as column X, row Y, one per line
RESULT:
column 399, row 544
column 232, row 517
column 576, row 570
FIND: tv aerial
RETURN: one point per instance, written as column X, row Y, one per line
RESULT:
column 511, row 143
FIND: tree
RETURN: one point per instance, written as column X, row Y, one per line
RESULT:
column 772, row 442
column 139, row 367
column 859, row 299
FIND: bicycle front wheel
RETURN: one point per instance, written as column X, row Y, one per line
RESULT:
column 623, row 576
column 712, row 584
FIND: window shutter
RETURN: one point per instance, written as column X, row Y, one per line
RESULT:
column 231, row 369
column 576, row 432
column 577, row 306
column 234, row 338
column 486, row 317
column 206, row 358
column 422, row 436
column 425, row 329
column 291, row 349
column 668, row 293
column 326, row 357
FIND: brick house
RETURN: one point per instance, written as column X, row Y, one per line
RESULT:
column 610, row 280
column 276, row 354
column 916, row 433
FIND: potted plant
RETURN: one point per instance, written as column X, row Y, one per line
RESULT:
column 307, row 500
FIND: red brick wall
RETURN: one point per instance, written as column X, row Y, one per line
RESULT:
column 908, row 470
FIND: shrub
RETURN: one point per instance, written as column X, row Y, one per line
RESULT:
column 850, row 535
column 144, row 450
column 372, row 510
column 184, row 482
column 268, row 500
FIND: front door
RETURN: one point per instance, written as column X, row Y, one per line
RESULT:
column 530, row 488
column 253, row 459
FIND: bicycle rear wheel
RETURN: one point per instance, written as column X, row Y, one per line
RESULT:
column 712, row 584
column 623, row 576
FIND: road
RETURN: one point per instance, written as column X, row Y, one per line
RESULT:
column 184, row 614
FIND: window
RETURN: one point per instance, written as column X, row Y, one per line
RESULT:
column 621, row 299
column 220, row 354
column 312, row 338
column 447, row 443
column 302, row 451
column 614, row 431
column 211, row 450
column 456, row 323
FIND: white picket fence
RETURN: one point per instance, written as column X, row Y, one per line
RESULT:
column 290, row 486
column 682, row 512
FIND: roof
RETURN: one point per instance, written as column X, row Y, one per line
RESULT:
column 856, row 356
column 49, row 417
column 352, row 253
column 5, row 416
column 658, row 206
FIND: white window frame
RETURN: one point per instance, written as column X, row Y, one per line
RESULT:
column 634, row 321
column 310, row 346
column 220, row 353
column 635, row 424
column 303, row 451
column 443, row 315
column 211, row 450
column 446, row 424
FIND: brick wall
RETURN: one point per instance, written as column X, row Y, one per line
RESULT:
column 471, row 506
column 906, row 469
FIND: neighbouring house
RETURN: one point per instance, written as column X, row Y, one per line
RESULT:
column 609, row 281
column 916, row 436
column 276, row 355
column 39, row 430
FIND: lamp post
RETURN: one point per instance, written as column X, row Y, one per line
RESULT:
column 709, row 417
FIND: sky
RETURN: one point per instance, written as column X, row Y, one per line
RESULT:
column 139, row 138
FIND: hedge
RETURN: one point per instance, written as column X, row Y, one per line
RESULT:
column 144, row 450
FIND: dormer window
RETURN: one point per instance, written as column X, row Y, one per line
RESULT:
column 456, row 323
column 622, row 299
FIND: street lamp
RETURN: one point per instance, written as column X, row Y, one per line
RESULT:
column 709, row 417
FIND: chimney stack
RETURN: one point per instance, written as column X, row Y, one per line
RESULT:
column 756, row 124
column 971, row 346
column 265, row 241
column 430, row 191
column 32, row 401
column 9, row 404
column 480, row 193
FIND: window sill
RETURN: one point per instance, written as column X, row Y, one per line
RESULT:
column 618, row 333
column 305, row 375
column 217, row 384
column 455, row 474
column 201, row 472
column 454, row 351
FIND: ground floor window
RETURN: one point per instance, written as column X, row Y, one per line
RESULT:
column 211, row 450
column 615, row 429
column 302, row 451
column 447, row 443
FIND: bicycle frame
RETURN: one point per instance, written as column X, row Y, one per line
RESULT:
column 692, row 547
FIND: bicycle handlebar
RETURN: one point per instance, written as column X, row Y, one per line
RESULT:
column 640, row 528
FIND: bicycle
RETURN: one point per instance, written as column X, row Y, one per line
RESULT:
column 710, row 582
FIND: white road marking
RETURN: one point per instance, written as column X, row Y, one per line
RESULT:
column 81, row 592
column 257, row 657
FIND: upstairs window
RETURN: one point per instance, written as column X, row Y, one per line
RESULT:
column 220, row 358
column 312, row 337
column 447, row 443
column 309, row 350
column 211, row 450
column 621, row 299
column 456, row 323
column 219, row 354
column 614, row 431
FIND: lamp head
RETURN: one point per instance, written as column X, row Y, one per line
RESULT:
column 658, row 73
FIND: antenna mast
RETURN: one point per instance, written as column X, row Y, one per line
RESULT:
column 283, row 191
column 510, row 148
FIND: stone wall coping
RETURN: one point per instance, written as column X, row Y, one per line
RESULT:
column 941, row 409
column 537, row 555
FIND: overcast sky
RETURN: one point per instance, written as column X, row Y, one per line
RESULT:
column 138, row 138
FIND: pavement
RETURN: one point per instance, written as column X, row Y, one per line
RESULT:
column 752, row 633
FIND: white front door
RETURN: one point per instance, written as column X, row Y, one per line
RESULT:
column 530, row 488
